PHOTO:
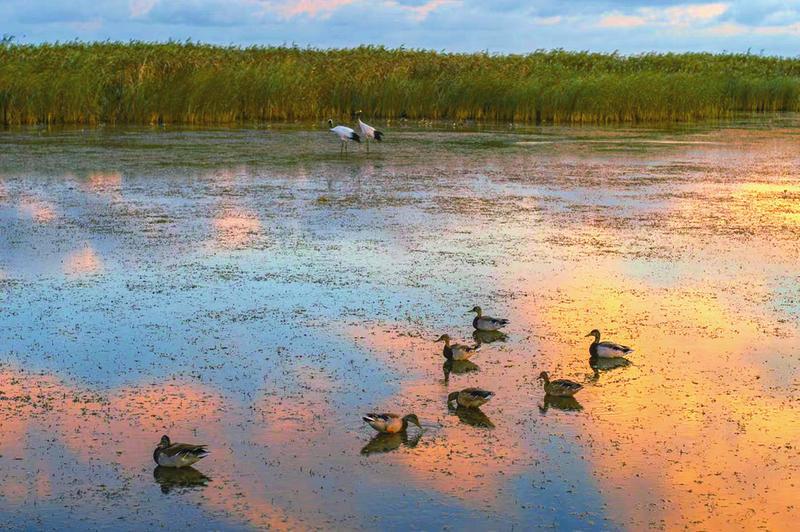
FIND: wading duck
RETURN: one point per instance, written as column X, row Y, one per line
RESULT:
column 600, row 349
column 169, row 454
column 391, row 423
column 560, row 387
column 470, row 397
column 456, row 351
column 486, row 323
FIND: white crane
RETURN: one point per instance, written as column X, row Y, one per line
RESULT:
column 345, row 134
column 368, row 132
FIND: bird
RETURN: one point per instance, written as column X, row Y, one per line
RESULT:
column 470, row 397
column 600, row 349
column 456, row 351
column 486, row 323
column 168, row 454
column 390, row 423
column 368, row 132
column 345, row 134
column 559, row 387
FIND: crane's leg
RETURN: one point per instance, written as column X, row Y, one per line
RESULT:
column 367, row 139
column 341, row 148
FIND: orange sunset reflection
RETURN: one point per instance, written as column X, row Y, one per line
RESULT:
column 81, row 262
column 695, row 429
column 235, row 228
column 122, row 427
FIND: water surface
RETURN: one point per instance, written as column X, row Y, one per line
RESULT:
column 255, row 291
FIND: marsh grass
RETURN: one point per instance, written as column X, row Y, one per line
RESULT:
column 139, row 82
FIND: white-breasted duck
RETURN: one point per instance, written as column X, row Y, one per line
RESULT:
column 600, row 349
column 559, row 387
column 168, row 454
column 486, row 323
column 456, row 351
column 390, row 423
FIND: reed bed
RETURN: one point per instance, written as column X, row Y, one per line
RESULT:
column 189, row 83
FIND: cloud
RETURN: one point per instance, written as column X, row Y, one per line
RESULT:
column 629, row 26
column 677, row 16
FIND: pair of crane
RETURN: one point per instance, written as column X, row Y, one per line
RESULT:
column 347, row 134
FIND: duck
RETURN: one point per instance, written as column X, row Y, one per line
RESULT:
column 168, row 454
column 486, row 323
column 600, row 349
column 470, row 397
column 559, row 387
column 345, row 135
column 390, row 423
column 456, row 351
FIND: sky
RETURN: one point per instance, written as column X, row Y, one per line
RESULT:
column 504, row 26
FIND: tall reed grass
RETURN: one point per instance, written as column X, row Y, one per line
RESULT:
column 140, row 82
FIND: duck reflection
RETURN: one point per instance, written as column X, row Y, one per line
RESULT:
column 487, row 337
column 472, row 416
column 170, row 478
column 458, row 367
column 599, row 365
column 566, row 404
column 385, row 443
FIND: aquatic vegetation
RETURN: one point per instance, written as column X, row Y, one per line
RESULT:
column 172, row 82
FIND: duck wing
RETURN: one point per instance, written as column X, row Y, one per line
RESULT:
column 611, row 347
column 185, row 449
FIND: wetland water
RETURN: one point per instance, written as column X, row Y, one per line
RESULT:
column 255, row 291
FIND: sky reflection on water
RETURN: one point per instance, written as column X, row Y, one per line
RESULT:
column 260, row 297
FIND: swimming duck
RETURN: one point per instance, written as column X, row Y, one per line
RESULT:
column 470, row 397
column 486, row 323
column 606, row 349
column 168, row 454
column 390, row 423
column 560, row 387
column 456, row 351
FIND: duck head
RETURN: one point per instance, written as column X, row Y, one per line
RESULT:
column 594, row 333
column 543, row 377
column 453, row 396
column 164, row 443
column 477, row 310
column 443, row 338
column 412, row 418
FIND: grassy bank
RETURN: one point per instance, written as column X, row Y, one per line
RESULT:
column 190, row 83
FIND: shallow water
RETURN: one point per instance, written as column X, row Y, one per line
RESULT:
column 255, row 291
